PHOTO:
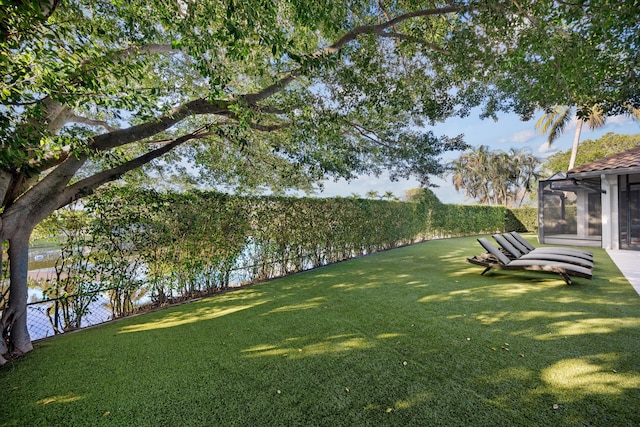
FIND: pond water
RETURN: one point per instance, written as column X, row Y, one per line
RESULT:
column 42, row 261
column 40, row 310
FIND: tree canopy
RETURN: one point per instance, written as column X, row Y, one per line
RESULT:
column 284, row 93
column 274, row 93
column 590, row 150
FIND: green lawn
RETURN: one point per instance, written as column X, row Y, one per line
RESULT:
column 413, row 336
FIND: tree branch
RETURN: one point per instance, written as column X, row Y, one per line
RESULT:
column 5, row 184
column 122, row 137
column 38, row 202
column 383, row 8
column 220, row 107
column 416, row 40
column 268, row 128
column 91, row 122
column 87, row 186
column 366, row 133
column 203, row 106
column 270, row 110
column 59, row 115
column 379, row 28
column 343, row 41
column 50, row 159
column 271, row 89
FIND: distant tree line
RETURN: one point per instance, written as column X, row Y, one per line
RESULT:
column 495, row 177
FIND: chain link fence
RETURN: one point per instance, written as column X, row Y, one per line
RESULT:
column 48, row 316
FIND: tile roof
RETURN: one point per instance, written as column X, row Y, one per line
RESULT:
column 626, row 159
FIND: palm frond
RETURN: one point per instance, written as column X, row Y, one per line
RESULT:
column 596, row 118
column 559, row 125
column 634, row 112
column 554, row 122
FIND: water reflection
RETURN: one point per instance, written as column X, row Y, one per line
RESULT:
column 58, row 303
column 47, row 314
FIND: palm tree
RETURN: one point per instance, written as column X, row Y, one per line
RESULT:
column 470, row 172
column 554, row 122
column 495, row 177
column 524, row 168
column 372, row 194
column 389, row 196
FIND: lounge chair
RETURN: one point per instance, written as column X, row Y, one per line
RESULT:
column 525, row 247
column 497, row 260
column 512, row 253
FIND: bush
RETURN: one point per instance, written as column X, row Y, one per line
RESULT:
column 521, row 219
column 187, row 244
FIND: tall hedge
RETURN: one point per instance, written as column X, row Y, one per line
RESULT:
column 173, row 245
column 521, row 219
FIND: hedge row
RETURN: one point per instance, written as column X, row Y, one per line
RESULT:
column 161, row 246
column 521, row 219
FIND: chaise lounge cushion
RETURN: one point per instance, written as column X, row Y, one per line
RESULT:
column 494, row 259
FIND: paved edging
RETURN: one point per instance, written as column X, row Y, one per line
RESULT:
column 629, row 264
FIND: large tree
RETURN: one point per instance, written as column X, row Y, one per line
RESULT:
column 278, row 93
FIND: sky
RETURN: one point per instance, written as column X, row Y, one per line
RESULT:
column 506, row 133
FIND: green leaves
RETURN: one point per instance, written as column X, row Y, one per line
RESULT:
column 591, row 150
column 195, row 241
column 495, row 177
column 317, row 89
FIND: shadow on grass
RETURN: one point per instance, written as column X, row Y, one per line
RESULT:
column 413, row 336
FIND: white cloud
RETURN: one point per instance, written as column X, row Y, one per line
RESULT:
column 619, row 120
column 520, row 137
column 545, row 150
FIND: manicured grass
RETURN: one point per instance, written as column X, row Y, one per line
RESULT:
column 413, row 336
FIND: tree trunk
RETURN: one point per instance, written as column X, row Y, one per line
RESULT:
column 576, row 142
column 15, row 334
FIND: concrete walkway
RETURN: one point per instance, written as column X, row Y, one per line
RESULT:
column 629, row 264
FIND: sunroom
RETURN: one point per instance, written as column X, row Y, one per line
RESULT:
column 596, row 204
